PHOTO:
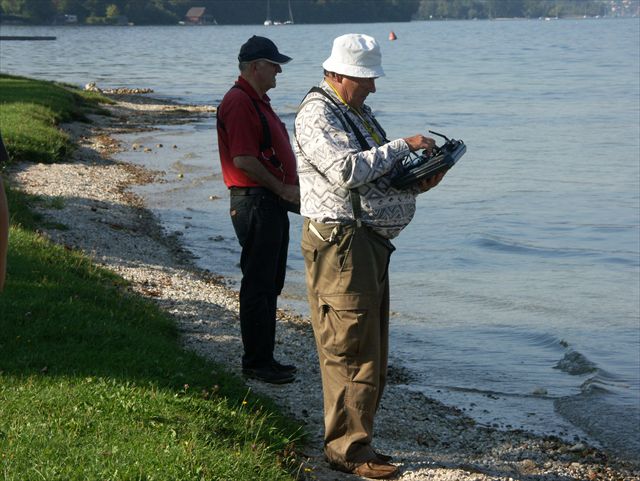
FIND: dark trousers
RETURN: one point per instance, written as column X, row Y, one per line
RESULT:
column 262, row 227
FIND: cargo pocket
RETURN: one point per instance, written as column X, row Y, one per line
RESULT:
column 342, row 319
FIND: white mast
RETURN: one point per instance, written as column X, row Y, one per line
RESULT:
column 268, row 22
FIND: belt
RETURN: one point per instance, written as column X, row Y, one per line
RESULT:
column 250, row 191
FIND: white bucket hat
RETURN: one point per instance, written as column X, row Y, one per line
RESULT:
column 355, row 55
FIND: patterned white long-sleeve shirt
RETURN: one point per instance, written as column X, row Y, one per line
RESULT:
column 331, row 162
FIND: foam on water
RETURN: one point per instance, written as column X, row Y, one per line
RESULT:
column 575, row 363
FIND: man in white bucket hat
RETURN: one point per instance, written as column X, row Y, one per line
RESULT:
column 351, row 210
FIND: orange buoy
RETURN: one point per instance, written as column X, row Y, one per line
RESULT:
column 392, row 35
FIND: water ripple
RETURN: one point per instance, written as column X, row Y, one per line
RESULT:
column 511, row 246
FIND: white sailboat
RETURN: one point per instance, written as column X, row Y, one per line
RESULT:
column 290, row 21
column 268, row 22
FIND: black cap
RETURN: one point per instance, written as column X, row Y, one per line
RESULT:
column 258, row 48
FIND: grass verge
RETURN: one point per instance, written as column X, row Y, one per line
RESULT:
column 30, row 111
column 94, row 384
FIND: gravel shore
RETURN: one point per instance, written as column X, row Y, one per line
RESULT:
column 430, row 441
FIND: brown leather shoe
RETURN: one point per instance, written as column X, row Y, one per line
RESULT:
column 376, row 470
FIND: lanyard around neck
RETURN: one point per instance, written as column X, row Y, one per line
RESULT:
column 374, row 135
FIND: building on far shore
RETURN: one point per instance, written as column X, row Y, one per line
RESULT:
column 198, row 16
column 65, row 19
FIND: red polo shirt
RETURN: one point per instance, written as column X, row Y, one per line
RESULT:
column 240, row 132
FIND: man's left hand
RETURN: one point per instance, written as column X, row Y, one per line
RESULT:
column 426, row 184
column 290, row 193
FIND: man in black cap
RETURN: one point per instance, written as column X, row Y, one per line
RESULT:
column 259, row 168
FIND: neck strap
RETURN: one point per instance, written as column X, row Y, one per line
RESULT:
column 354, row 195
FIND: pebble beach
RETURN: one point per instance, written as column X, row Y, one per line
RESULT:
column 105, row 220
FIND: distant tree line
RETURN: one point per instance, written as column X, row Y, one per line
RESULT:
column 154, row 12
column 469, row 9
column 150, row 12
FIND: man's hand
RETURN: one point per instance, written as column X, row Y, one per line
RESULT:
column 258, row 172
column 426, row 184
column 419, row 141
column 290, row 193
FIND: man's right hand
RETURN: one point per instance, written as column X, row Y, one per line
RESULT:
column 419, row 141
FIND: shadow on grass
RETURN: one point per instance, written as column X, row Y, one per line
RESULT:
column 62, row 316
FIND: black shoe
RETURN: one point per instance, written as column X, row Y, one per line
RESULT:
column 269, row 374
column 289, row 368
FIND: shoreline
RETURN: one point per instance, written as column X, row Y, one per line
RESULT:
column 109, row 223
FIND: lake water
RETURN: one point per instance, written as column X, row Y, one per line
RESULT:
column 516, row 288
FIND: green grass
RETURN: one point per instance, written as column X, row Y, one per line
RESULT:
column 95, row 386
column 31, row 110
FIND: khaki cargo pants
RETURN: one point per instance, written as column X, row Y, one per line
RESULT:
column 348, row 289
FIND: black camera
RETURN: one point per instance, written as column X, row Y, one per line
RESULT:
column 418, row 167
